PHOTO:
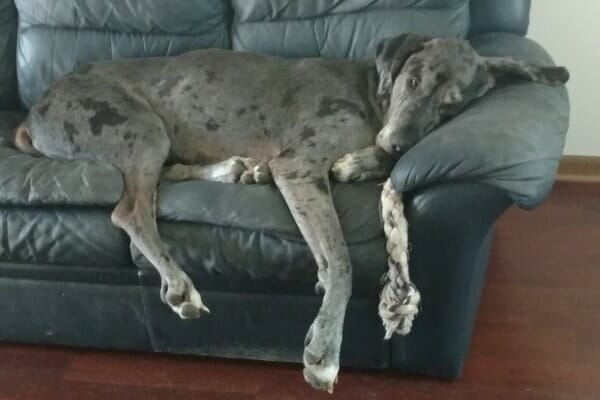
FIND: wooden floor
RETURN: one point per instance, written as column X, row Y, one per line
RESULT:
column 537, row 335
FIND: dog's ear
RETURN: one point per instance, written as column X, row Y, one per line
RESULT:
column 390, row 56
column 508, row 67
column 459, row 93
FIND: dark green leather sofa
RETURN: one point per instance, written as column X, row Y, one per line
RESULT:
column 67, row 276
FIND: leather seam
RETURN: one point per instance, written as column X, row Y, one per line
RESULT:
column 464, row 6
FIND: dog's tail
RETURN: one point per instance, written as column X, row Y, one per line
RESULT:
column 22, row 141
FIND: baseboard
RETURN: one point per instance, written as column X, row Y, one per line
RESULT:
column 579, row 169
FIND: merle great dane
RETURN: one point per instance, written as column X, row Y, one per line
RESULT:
column 237, row 117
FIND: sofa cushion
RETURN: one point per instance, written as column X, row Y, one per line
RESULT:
column 8, row 41
column 65, row 236
column 226, row 258
column 339, row 28
column 509, row 16
column 36, row 223
column 40, row 181
column 54, row 37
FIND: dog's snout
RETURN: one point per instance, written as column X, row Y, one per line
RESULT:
column 389, row 145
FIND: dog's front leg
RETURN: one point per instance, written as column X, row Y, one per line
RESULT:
column 306, row 191
column 363, row 165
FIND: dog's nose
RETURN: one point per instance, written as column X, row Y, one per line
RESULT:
column 390, row 143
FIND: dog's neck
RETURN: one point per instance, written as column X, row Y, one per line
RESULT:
column 373, row 84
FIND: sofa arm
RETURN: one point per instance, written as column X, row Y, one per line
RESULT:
column 511, row 139
column 450, row 233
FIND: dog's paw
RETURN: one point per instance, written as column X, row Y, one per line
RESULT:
column 346, row 169
column 398, row 307
column 183, row 298
column 255, row 172
column 321, row 356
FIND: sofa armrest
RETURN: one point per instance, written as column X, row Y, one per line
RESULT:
column 450, row 232
column 511, row 139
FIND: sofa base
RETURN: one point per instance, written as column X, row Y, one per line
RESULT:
column 132, row 317
column 75, row 314
column 263, row 327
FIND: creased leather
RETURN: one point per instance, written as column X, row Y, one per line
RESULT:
column 250, row 261
column 40, row 181
column 76, row 236
column 56, row 36
column 343, row 29
column 8, row 44
column 509, row 16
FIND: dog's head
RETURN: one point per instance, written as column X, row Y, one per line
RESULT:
column 424, row 80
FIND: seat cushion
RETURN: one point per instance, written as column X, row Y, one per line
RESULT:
column 54, row 37
column 339, row 28
column 28, row 181
column 36, row 229
column 75, row 236
column 243, row 238
column 225, row 258
column 39, row 181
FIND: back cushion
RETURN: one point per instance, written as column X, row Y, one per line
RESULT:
column 340, row 28
column 8, row 39
column 56, row 35
column 499, row 16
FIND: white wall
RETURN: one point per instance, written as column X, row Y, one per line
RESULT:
column 570, row 31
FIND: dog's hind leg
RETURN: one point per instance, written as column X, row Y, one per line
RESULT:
column 308, row 197
column 135, row 213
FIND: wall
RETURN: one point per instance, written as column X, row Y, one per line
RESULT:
column 570, row 31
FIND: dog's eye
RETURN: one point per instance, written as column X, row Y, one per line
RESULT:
column 413, row 83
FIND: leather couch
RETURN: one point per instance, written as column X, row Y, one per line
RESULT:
column 67, row 276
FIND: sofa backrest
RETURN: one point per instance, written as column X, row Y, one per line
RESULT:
column 510, row 16
column 8, row 39
column 56, row 35
column 332, row 28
